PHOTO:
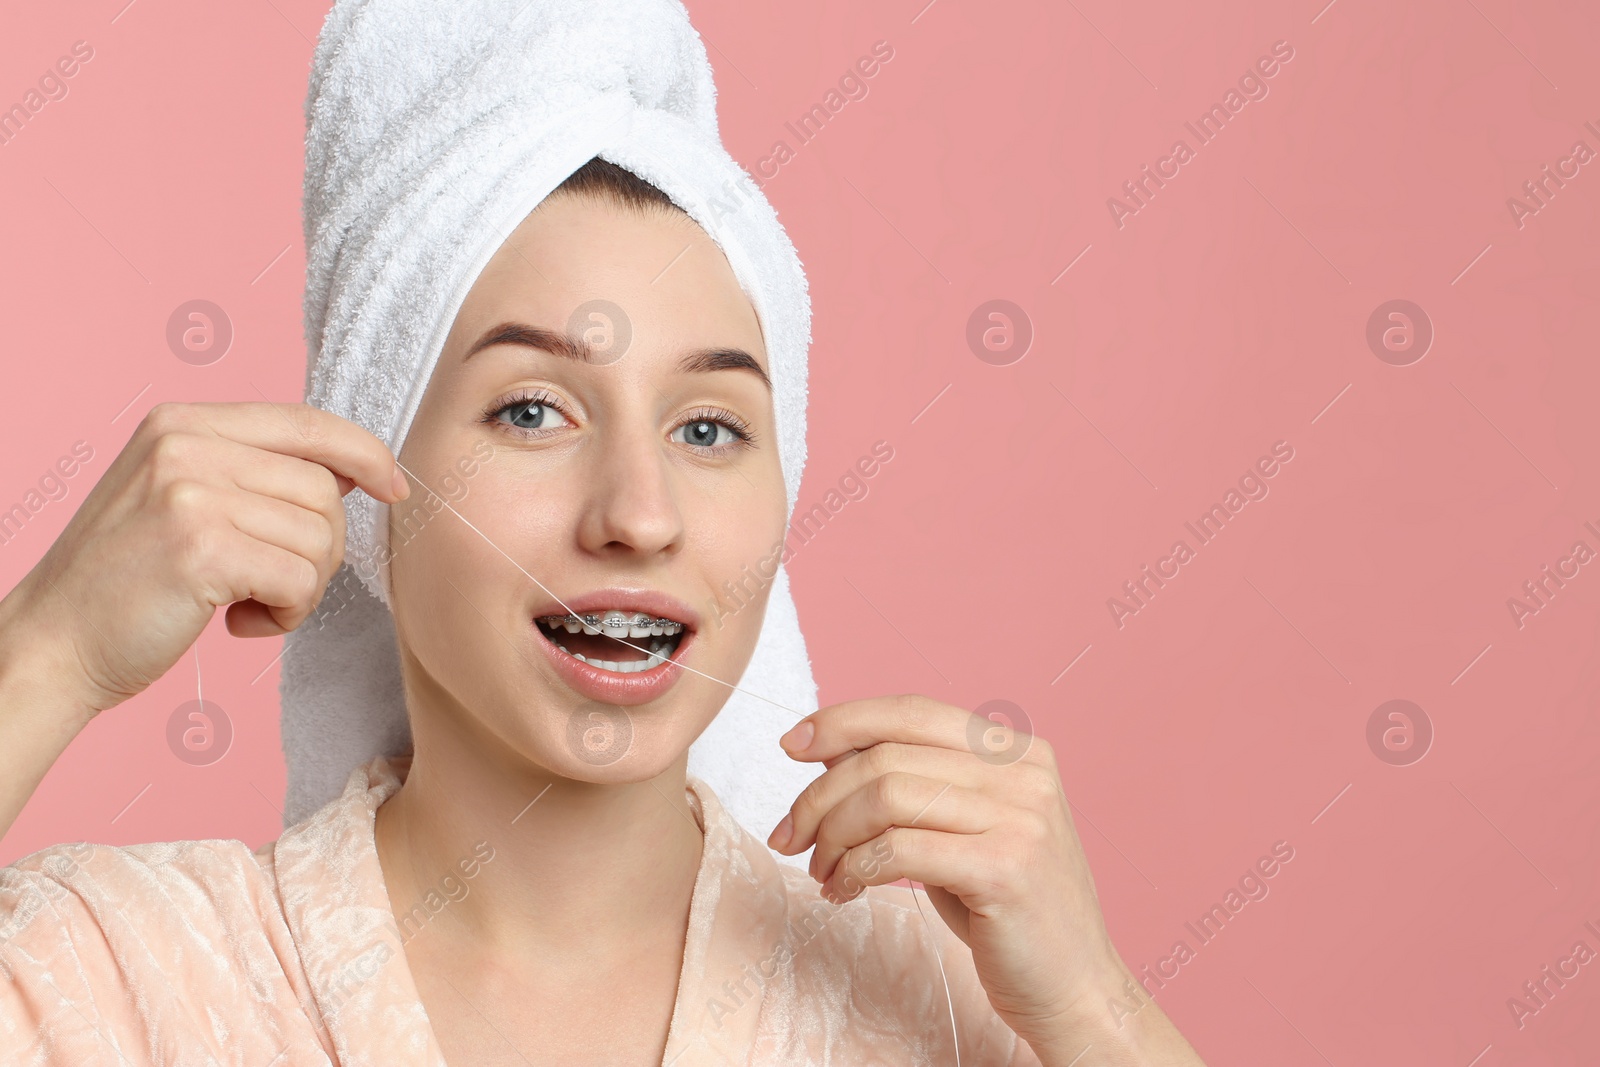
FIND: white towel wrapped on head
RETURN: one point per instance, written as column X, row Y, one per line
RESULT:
column 433, row 129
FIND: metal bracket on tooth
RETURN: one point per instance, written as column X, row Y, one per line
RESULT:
column 597, row 623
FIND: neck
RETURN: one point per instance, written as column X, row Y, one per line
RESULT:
column 561, row 870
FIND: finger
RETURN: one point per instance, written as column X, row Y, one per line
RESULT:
column 858, row 724
column 298, row 481
column 846, row 775
column 899, row 799
column 306, row 533
column 206, row 459
column 307, row 485
column 958, row 863
column 300, row 430
column 251, row 618
column 239, row 567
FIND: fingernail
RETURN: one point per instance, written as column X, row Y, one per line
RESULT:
column 782, row 833
column 799, row 738
column 402, row 488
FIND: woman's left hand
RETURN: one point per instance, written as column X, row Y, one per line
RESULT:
column 975, row 811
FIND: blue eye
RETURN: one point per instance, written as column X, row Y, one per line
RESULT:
column 531, row 414
column 707, row 430
column 706, row 433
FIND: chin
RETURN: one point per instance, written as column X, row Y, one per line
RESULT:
column 608, row 744
column 549, row 725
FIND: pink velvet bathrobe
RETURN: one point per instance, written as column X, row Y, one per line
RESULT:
column 202, row 952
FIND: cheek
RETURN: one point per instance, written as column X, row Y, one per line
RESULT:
column 495, row 522
column 460, row 592
column 738, row 550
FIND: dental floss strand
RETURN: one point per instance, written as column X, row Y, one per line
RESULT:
column 570, row 611
column 949, row 1001
column 955, row 1039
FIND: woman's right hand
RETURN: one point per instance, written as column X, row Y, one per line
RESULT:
column 237, row 504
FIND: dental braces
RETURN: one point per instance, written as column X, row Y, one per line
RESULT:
column 611, row 619
column 949, row 1001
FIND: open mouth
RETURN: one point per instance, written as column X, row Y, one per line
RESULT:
column 597, row 638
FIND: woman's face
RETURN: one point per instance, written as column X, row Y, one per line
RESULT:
column 643, row 478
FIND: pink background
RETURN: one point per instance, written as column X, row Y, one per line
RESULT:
column 1227, row 314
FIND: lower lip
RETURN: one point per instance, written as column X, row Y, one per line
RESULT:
column 610, row 687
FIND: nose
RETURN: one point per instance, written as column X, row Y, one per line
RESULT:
column 630, row 507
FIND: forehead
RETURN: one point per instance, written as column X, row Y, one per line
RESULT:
column 656, row 270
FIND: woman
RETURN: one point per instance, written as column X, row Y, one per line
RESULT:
column 603, row 906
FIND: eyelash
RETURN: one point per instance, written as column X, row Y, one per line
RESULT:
column 744, row 435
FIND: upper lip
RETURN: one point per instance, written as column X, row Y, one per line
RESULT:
column 650, row 601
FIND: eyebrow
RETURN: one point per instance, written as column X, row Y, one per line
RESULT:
column 700, row 360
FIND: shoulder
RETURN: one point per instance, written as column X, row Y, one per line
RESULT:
column 213, row 882
column 897, row 968
column 143, row 941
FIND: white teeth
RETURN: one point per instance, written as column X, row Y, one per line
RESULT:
column 591, row 630
column 659, row 653
column 573, row 625
column 626, row 667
